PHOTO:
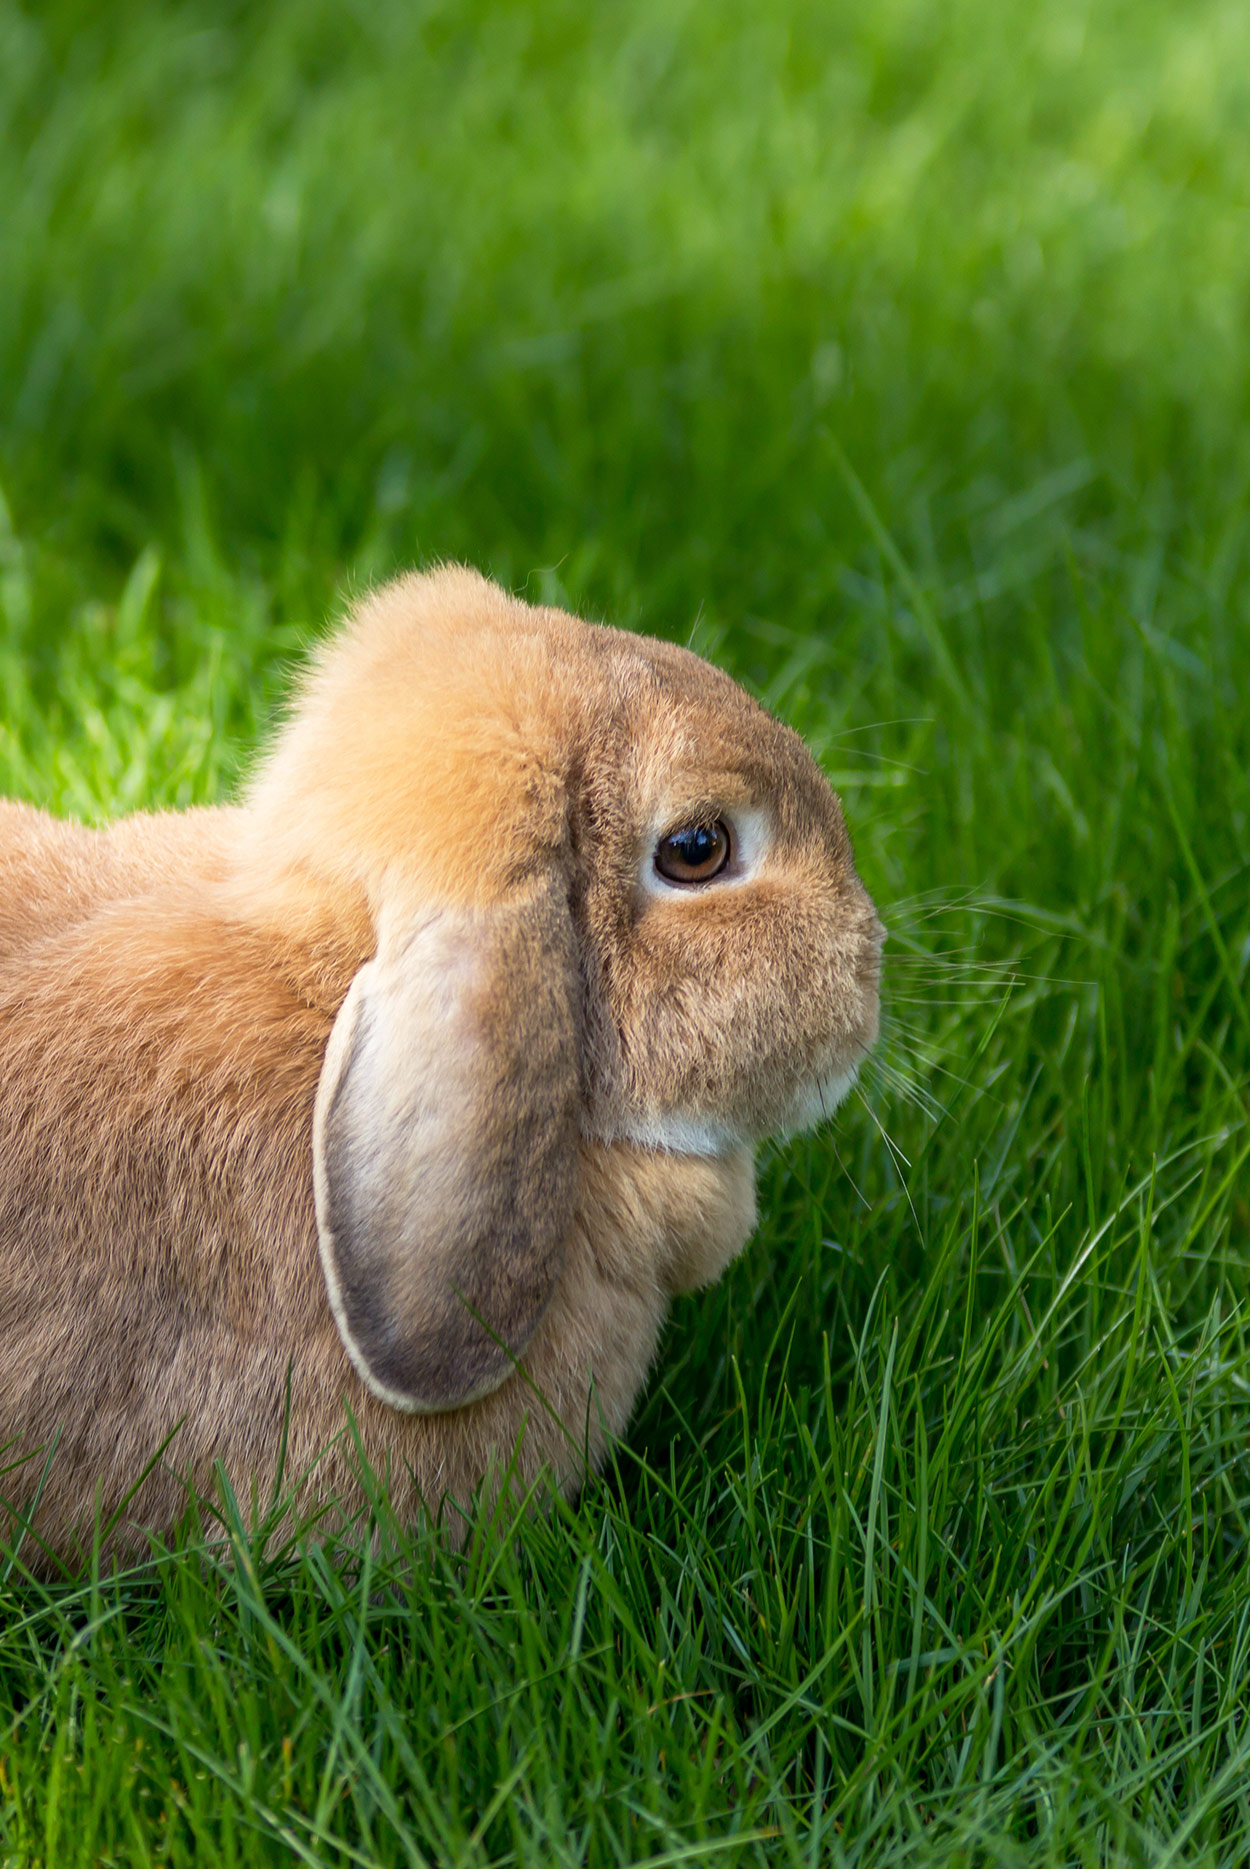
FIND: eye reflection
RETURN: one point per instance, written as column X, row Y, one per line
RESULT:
column 694, row 854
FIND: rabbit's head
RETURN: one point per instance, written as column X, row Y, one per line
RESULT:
column 613, row 899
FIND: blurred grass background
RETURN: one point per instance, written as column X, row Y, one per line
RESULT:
column 896, row 357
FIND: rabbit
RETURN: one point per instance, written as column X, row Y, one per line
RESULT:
column 385, row 1111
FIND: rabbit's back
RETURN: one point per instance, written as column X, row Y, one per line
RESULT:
column 55, row 872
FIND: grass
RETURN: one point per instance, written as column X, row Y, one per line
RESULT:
column 896, row 356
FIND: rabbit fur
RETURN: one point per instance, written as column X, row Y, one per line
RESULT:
column 408, row 1082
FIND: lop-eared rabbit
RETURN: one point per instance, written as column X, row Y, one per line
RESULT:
column 419, row 1081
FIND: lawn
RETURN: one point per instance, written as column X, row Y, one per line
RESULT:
column 896, row 357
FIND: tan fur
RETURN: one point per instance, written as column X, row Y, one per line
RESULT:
column 168, row 987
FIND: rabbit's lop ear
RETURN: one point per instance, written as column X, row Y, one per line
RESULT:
column 444, row 1144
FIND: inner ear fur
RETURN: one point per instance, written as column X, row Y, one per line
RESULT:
column 445, row 1144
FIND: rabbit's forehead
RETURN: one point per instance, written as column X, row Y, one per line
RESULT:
column 687, row 763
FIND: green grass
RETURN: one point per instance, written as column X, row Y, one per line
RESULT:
column 896, row 354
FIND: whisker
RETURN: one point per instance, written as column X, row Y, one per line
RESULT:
column 1007, row 972
column 873, row 726
column 919, row 1045
column 890, row 1144
column 897, row 1090
column 927, row 994
column 896, row 1154
column 922, row 1053
column 900, row 1064
column 895, row 1021
column 965, row 1083
column 930, row 902
column 837, row 1156
column 883, row 759
column 920, row 999
column 946, row 959
column 904, row 1085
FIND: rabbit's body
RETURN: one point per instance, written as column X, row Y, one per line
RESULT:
column 229, row 1035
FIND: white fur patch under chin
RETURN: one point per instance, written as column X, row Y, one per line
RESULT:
column 702, row 1135
column 678, row 1135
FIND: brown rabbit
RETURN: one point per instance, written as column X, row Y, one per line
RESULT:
column 418, row 1081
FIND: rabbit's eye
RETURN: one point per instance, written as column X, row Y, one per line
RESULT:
column 695, row 854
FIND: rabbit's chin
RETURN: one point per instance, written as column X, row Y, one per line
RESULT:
column 679, row 1134
column 817, row 1102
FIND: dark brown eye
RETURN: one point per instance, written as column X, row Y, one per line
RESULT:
column 694, row 854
